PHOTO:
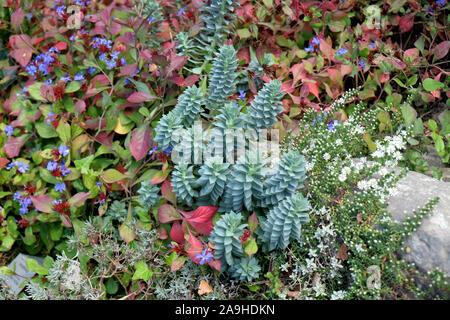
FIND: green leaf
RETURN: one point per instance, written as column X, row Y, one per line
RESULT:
column 73, row 86
column 399, row 82
column 5, row 271
column 368, row 139
column 83, row 164
column 409, row 114
column 112, row 286
column 126, row 233
column 432, row 125
column 112, row 175
column 431, row 84
column 34, row 266
column 243, row 33
column 46, row 131
column 56, row 231
column 142, row 271
column 34, row 91
column 439, row 145
column 251, row 247
column 64, row 133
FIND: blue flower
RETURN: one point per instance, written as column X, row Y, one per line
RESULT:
column 60, row 10
column 373, row 45
column 315, row 41
column 52, row 165
column 362, row 64
column 341, row 51
column 332, row 125
column 63, row 150
column 48, row 81
column 31, row 69
column 115, row 54
column 60, row 187
column 242, row 95
column 23, row 167
column 79, row 76
column 180, row 12
column 17, row 196
column 43, row 68
column 91, row 70
column 431, row 10
column 9, row 130
column 204, row 257
column 153, row 150
column 167, row 151
column 440, row 2
column 310, row 48
column 23, row 210
column 111, row 64
column 151, row 19
column 65, row 171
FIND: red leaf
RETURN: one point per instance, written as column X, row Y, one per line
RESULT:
column 167, row 192
column 128, row 69
column 43, row 203
column 66, row 220
column 22, row 56
column 115, row 28
column 167, row 213
column 162, row 234
column 140, row 142
column 176, row 63
column 177, row 264
column 80, row 107
column 178, row 80
column 17, row 18
column 406, row 22
column 13, row 145
column 191, row 80
column 61, row 45
column 195, row 246
column 441, row 50
column 215, row 264
column 244, row 54
column 78, row 199
column 176, row 233
column 253, row 222
column 201, row 218
column 3, row 162
column 138, row 97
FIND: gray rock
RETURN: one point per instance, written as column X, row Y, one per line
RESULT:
column 430, row 243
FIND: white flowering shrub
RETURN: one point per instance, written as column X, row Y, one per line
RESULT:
column 348, row 250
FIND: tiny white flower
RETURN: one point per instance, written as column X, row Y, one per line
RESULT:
column 372, row 183
column 342, row 177
column 339, row 142
column 326, row 156
column 383, row 171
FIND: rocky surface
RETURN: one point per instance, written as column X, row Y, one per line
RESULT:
column 430, row 244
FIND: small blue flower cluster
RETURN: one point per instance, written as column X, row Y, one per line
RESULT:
column 24, row 202
column 97, row 42
column 112, row 63
column 9, row 130
column 41, row 62
column 341, row 52
column 313, row 46
column 20, row 166
column 332, row 126
column 242, row 95
column 204, row 257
